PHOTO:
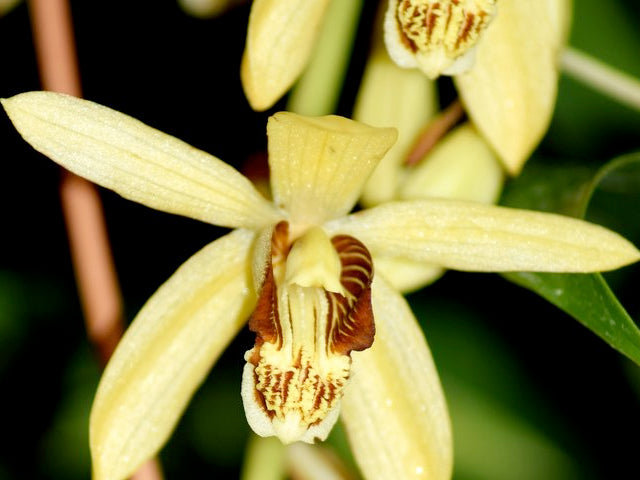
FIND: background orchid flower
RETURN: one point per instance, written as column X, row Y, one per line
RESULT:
column 460, row 166
column 503, row 55
column 305, row 268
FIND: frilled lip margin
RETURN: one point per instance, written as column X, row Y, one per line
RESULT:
column 300, row 364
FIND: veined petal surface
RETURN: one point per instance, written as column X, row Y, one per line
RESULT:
column 394, row 409
column 280, row 38
column 136, row 161
column 319, row 164
column 510, row 91
column 477, row 237
column 167, row 352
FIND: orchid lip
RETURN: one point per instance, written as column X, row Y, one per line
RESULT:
column 305, row 331
column 439, row 36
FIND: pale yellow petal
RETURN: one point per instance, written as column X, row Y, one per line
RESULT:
column 318, row 89
column 167, row 352
column 314, row 462
column 391, row 96
column 510, row 92
column 264, row 459
column 319, row 164
column 137, row 161
column 7, row 5
column 394, row 409
column 460, row 166
column 207, row 8
column 476, row 237
column 407, row 275
column 280, row 38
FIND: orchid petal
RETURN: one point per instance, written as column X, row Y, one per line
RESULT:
column 264, row 459
column 407, row 275
column 319, row 164
column 7, row 5
column 510, row 91
column 460, row 166
column 167, row 352
column 388, row 96
column 280, row 38
column 394, row 410
column 137, row 161
column 314, row 462
column 476, row 237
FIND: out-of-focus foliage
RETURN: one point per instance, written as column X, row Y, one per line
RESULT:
column 587, row 297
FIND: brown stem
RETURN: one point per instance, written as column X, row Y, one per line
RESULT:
column 96, row 277
column 91, row 255
column 434, row 131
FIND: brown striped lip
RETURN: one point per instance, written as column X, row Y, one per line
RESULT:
column 440, row 32
column 305, row 332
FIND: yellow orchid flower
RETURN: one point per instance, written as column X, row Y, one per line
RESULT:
column 503, row 54
column 304, row 266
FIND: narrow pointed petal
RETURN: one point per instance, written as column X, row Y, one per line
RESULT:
column 319, row 164
column 167, row 352
column 394, row 409
column 280, row 38
column 461, row 166
column 318, row 89
column 510, row 92
column 137, row 161
column 476, row 237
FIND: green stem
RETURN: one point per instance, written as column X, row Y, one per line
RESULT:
column 318, row 89
column 601, row 77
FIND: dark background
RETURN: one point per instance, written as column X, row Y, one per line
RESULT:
column 500, row 349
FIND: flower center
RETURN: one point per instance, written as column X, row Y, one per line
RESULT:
column 441, row 32
column 313, row 310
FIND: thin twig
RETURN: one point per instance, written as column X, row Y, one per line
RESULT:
column 81, row 206
column 434, row 131
column 601, row 77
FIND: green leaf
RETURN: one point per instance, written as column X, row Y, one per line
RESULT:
column 548, row 188
column 589, row 300
column 587, row 297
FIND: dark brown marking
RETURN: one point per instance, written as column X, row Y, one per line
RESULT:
column 285, row 385
column 351, row 325
column 410, row 44
column 260, row 398
column 265, row 321
column 464, row 34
